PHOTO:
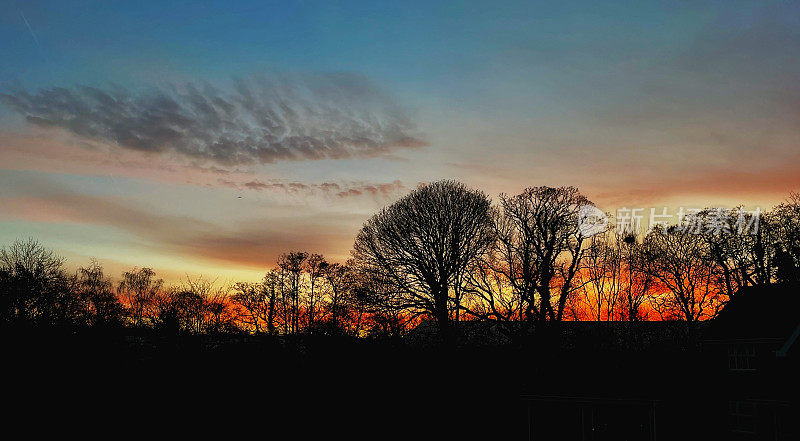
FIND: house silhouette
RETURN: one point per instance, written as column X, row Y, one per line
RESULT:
column 752, row 348
column 734, row 377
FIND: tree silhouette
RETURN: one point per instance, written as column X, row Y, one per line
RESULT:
column 33, row 285
column 96, row 291
column 292, row 265
column 538, row 247
column 423, row 242
column 139, row 288
column 786, row 224
column 679, row 261
column 272, row 286
column 251, row 298
column 440, row 251
column 313, row 266
column 340, row 279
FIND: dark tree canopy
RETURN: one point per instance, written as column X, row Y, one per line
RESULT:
column 424, row 243
column 441, row 252
column 538, row 247
column 32, row 283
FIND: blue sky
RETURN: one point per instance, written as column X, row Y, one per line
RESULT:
column 421, row 46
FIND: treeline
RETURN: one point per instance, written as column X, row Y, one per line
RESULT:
column 529, row 260
column 443, row 252
column 303, row 294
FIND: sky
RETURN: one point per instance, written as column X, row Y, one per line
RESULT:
column 210, row 137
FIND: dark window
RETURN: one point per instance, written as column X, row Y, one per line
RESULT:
column 742, row 416
column 741, row 357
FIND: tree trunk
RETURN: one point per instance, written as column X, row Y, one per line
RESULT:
column 442, row 318
column 271, row 313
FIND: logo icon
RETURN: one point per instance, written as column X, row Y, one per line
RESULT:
column 591, row 220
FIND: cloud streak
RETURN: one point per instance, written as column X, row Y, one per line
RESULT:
column 252, row 244
column 263, row 120
column 343, row 190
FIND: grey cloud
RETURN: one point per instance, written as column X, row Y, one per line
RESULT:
column 263, row 120
column 385, row 190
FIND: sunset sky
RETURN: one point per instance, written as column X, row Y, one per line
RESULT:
column 209, row 137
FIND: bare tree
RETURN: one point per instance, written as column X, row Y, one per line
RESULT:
column 380, row 308
column 291, row 265
column 736, row 248
column 601, row 278
column 284, row 298
column 490, row 295
column 138, row 288
column 341, row 280
column 423, row 242
column 33, row 286
column 272, row 286
column 202, row 306
column 538, row 248
column 102, row 307
column 369, row 297
column 251, row 301
column 313, row 266
column 687, row 286
column 217, row 308
column 785, row 223
column 637, row 283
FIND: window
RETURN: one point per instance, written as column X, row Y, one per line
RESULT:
column 741, row 357
column 742, row 416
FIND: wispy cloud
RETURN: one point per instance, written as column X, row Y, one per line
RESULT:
column 341, row 190
column 263, row 120
column 30, row 29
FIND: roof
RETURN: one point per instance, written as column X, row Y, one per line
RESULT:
column 759, row 312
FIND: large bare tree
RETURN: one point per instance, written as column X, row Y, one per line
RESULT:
column 531, row 269
column 686, row 285
column 424, row 242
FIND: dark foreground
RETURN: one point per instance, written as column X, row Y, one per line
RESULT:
column 270, row 388
column 114, row 384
